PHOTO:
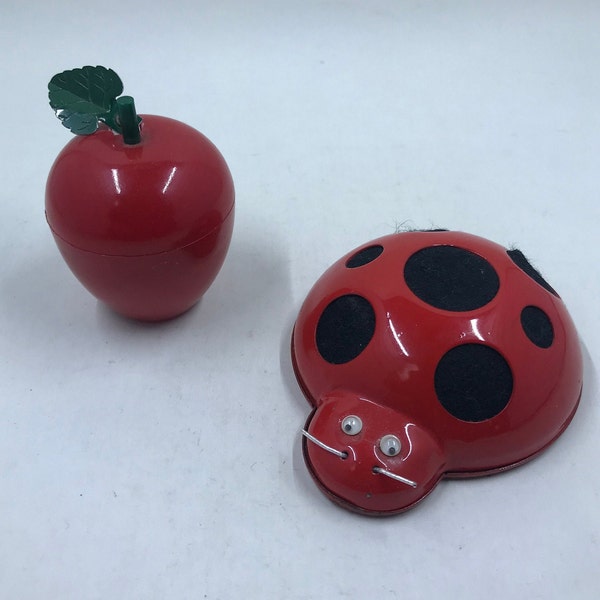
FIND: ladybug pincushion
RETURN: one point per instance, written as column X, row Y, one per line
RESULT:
column 430, row 354
column 141, row 208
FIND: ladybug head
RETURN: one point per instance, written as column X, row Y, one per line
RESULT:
column 369, row 457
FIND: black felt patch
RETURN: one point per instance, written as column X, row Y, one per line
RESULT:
column 345, row 328
column 521, row 261
column 537, row 326
column 364, row 256
column 402, row 229
column 473, row 382
column 451, row 278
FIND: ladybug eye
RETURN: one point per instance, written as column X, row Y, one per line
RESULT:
column 390, row 445
column 352, row 425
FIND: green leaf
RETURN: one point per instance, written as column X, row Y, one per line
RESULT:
column 85, row 91
column 78, row 123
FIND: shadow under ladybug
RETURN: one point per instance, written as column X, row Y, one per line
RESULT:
column 430, row 354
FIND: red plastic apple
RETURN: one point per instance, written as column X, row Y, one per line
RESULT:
column 141, row 210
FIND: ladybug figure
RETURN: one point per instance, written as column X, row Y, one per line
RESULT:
column 430, row 354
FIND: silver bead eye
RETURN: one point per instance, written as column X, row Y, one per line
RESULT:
column 352, row 425
column 390, row 445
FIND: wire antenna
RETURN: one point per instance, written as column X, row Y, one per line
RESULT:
column 399, row 478
column 312, row 438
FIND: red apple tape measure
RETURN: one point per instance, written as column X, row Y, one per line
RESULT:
column 141, row 208
column 430, row 354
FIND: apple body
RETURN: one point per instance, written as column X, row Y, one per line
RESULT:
column 145, row 227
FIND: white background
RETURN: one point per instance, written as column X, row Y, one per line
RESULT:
column 163, row 461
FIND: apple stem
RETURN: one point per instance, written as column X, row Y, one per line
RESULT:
column 128, row 119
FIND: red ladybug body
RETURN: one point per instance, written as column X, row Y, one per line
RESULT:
column 430, row 354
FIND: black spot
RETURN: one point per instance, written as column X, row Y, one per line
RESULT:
column 473, row 382
column 451, row 278
column 364, row 256
column 345, row 328
column 521, row 261
column 537, row 326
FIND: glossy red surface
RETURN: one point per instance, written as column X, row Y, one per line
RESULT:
column 145, row 227
column 390, row 384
